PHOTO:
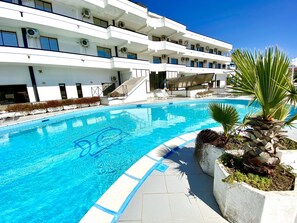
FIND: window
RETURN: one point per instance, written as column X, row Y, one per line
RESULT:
column 192, row 47
column 200, row 64
column 48, row 43
column 155, row 38
column 156, row 59
column 44, row 6
column 192, row 63
column 174, row 61
column 209, row 65
column 219, row 52
column 63, row 91
column 8, row 38
column 7, row 1
column 132, row 56
column 210, row 51
column 100, row 22
column 79, row 90
column 219, row 66
column 103, row 52
column 201, row 49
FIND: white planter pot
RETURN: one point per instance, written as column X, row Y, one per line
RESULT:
column 69, row 107
column 242, row 203
column 37, row 111
column 208, row 156
column 83, row 105
column 55, row 109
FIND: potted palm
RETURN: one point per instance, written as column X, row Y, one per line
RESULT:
column 266, row 79
column 210, row 144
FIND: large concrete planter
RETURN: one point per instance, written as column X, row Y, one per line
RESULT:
column 242, row 203
column 207, row 157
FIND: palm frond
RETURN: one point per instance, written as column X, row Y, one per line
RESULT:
column 225, row 114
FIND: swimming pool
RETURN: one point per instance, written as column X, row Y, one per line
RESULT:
column 53, row 170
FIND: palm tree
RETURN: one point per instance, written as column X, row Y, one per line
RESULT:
column 266, row 78
column 226, row 115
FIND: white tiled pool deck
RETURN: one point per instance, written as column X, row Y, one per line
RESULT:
column 181, row 194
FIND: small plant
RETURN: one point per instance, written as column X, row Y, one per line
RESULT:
column 54, row 104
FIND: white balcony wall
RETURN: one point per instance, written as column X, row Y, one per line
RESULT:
column 17, row 75
column 200, row 70
column 129, row 36
column 208, row 56
column 128, row 7
column 129, row 63
column 38, row 57
column 167, row 67
column 35, row 18
column 157, row 21
column 100, row 3
column 207, row 40
column 164, row 45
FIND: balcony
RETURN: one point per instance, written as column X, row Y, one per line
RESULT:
column 209, row 41
column 166, row 47
column 167, row 67
column 201, row 70
column 41, row 57
column 47, row 21
column 208, row 56
column 123, row 34
column 124, row 63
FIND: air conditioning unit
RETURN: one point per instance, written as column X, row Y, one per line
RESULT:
column 113, row 78
column 180, row 41
column 32, row 33
column 197, row 45
column 124, row 50
column 204, row 61
column 186, row 43
column 215, row 50
column 121, row 24
column 84, row 42
column 163, row 38
column 187, row 59
column 182, row 59
column 86, row 13
column 207, row 48
column 164, row 56
column 196, row 60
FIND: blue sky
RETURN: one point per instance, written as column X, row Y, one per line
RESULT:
column 246, row 24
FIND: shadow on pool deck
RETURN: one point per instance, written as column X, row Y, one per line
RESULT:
column 183, row 193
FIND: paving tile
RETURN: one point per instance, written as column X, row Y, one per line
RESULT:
column 154, row 184
column 156, row 208
column 182, row 208
column 176, row 184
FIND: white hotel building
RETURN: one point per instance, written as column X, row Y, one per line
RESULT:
column 58, row 49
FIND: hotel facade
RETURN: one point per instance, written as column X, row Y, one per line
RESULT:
column 59, row 49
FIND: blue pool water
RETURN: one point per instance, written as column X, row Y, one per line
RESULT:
column 54, row 170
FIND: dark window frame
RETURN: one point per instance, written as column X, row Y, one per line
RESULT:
column 16, row 37
column 100, row 21
column 132, row 54
column 156, row 38
column 43, row 8
column 173, row 61
column 200, row 64
column 157, row 60
column 105, row 49
column 49, row 38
